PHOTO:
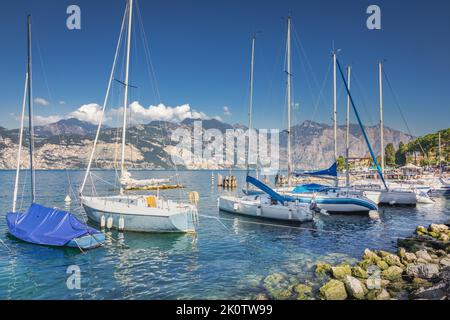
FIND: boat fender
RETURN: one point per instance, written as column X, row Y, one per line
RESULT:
column 290, row 214
column 102, row 222
column 121, row 223
column 67, row 199
column 258, row 211
column 193, row 197
column 109, row 222
column 324, row 212
column 236, row 207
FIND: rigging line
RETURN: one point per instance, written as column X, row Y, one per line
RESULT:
column 364, row 96
column 397, row 103
column 43, row 68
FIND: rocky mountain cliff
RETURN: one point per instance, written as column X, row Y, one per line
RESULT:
column 67, row 144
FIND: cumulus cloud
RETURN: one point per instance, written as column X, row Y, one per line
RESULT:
column 161, row 112
column 226, row 111
column 91, row 113
column 41, row 101
column 62, row 102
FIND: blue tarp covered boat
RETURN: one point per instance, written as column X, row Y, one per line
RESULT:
column 311, row 187
column 52, row 227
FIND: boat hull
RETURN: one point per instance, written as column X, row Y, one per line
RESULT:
column 256, row 209
column 394, row 197
column 139, row 218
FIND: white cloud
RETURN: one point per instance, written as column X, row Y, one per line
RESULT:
column 91, row 112
column 226, row 111
column 43, row 120
column 62, row 102
column 41, row 101
column 161, row 112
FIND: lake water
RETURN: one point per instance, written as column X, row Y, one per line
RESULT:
column 226, row 259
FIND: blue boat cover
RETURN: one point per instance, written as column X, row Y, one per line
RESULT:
column 331, row 171
column 274, row 195
column 46, row 226
column 310, row 188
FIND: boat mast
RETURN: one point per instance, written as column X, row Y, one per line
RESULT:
column 440, row 154
column 30, row 113
column 289, row 78
column 250, row 108
column 19, row 152
column 347, row 134
column 380, row 82
column 334, row 113
column 125, row 99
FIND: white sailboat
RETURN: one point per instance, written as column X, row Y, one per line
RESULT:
column 141, row 213
column 332, row 199
column 266, row 206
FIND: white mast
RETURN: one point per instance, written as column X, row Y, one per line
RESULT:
column 380, row 70
column 91, row 158
column 440, row 154
column 125, row 99
column 347, row 134
column 30, row 113
column 19, row 153
column 289, row 75
column 250, row 109
column 334, row 112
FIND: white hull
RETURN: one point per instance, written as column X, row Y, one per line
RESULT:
column 168, row 216
column 257, row 207
column 398, row 197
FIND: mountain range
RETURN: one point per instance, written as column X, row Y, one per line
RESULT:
column 67, row 144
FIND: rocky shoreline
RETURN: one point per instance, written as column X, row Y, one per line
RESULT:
column 419, row 270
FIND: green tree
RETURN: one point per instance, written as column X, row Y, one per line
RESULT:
column 400, row 155
column 389, row 153
column 341, row 163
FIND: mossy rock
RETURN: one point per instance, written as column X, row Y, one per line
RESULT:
column 282, row 294
column 392, row 273
column 418, row 283
column 359, row 272
column 371, row 256
column 443, row 237
column 382, row 265
column 393, row 260
column 366, row 263
column 341, row 271
column 380, row 294
column 421, row 230
column 261, row 296
column 323, row 268
column 434, row 234
column 333, row 290
column 302, row 288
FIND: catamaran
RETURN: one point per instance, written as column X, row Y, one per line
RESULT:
column 38, row 224
column 141, row 213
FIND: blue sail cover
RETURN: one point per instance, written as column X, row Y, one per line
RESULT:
column 47, row 226
column 331, row 171
column 274, row 195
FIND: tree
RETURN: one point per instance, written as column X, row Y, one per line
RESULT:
column 389, row 153
column 400, row 155
column 341, row 163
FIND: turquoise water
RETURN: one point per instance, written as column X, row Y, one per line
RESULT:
column 226, row 259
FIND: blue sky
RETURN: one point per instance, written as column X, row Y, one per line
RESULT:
column 201, row 53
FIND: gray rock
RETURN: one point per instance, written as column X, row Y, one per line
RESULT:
column 426, row 271
column 422, row 254
column 445, row 262
column 437, row 292
column 354, row 287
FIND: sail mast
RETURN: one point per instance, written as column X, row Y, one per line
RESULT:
column 127, row 70
column 289, row 75
column 334, row 112
column 250, row 108
column 19, row 152
column 347, row 134
column 30, row 113
column 380, row 82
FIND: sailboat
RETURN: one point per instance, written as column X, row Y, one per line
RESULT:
column 38, row 224
column 140, row 213
column 394, row 193
column 329, row 198
column 265, row 203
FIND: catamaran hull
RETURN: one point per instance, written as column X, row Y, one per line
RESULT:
column 135, row 218
column 255, row 209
